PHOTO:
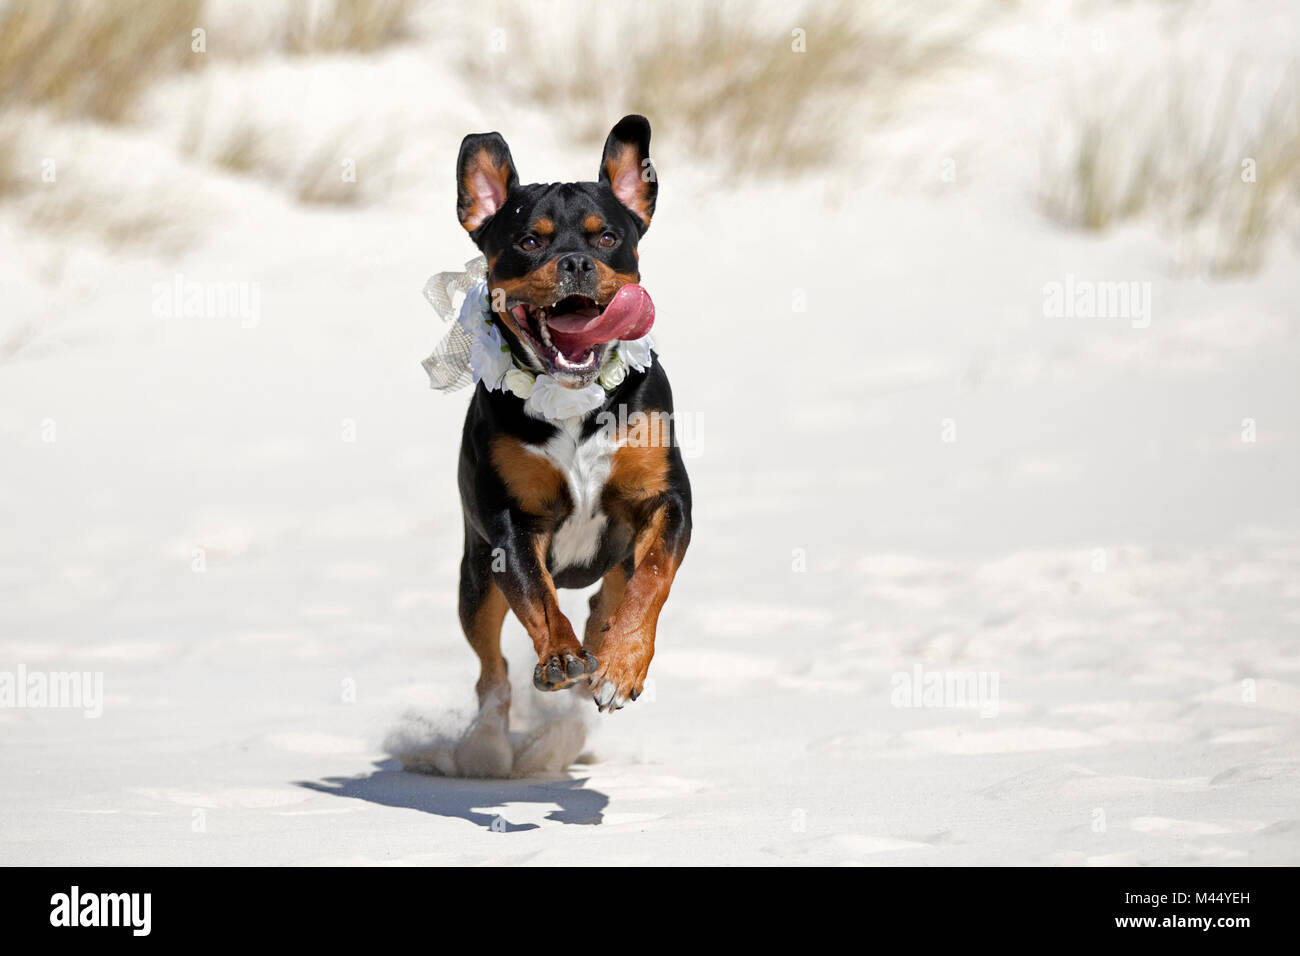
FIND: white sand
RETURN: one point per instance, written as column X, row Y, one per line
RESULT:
column 1098, row 537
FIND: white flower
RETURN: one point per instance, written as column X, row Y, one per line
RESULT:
column 489, row 356
column 474, row 308
column 636, row 353
column 550, row 399
column 612, row 375
column 519, row 382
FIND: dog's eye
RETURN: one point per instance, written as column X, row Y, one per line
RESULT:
column 606, row 240
column 531, row 243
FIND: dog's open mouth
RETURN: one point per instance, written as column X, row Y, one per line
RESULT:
column 569, row 336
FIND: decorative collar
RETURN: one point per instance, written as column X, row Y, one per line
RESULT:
column 474, row 350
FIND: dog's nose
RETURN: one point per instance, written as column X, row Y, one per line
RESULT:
column 575, row 265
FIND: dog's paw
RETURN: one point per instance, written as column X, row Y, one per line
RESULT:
column 619, row 681
column 563, row 669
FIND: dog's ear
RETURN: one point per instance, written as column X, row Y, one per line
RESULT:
column 485, row 173
column 626, row 168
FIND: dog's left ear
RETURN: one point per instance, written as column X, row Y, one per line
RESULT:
column 626, row 168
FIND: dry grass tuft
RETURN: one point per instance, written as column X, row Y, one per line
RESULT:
column 321, row 178
column 241, row 149
column 96, row 58
column 361, row 25
column 156, row 213
column 142, row 224
column 340, row 172
column 1161, row 148
column 738, row 85
column 11, row 180
column 88, row 58
column 346, row 166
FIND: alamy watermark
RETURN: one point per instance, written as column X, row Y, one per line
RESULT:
column 130, row 910
column 652, row 429
column 63, row 690
column 183, row 298
column 971, row 690
column 1085, row 299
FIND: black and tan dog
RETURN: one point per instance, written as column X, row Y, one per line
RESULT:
column 564, row 504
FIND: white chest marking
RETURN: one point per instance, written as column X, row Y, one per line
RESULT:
column 585, row 464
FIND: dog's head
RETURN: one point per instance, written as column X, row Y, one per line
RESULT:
column 562, row 258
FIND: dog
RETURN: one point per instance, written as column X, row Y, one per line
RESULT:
column 564, row 504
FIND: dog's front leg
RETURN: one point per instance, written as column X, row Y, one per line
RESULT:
column 625, row 643
column 519, row 569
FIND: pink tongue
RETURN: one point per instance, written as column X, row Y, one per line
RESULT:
column 629, row 315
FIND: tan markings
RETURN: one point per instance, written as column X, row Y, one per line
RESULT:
column 484, row 633
column 542, row 618
column 624, row 172
column 536, row 485
column 640, row 469
column 639, row 472
column 648, row 538
column 648, row 589
column 539, row 286
column 536, row 287
column 544, row 227
column 628, row 644
column 603, row 604
column 535, row 606
column 531, row 607
column 593, row 223
column 608, row 281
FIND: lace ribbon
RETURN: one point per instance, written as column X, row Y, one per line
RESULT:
column 448, row 365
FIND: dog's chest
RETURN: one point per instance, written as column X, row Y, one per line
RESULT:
column 585, row 464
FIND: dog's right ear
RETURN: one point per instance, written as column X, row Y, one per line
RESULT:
column 626, row 169
column 485, row 173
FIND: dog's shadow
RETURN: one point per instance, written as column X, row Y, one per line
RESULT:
column 464, row 799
